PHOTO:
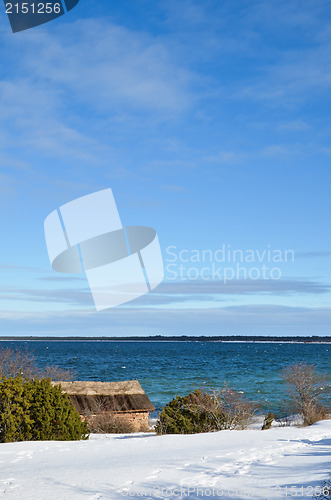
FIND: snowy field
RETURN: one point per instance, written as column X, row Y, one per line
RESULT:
column 283, row 462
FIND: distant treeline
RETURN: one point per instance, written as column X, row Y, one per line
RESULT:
column 181, row 338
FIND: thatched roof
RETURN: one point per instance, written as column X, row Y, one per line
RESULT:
column 97, row 397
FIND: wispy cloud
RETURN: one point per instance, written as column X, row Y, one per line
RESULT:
column 121, row 68
column 294, row 126
column 29, row 269
column 226, row 157
column 246, row 157
column 196, row 294
column 122, row 78
column 312, row 255
column 246, row 320
column 243, row 287
column 63, row 279
column 293, row 77
column 174, row 188
column 7, row 185
column 74, row 297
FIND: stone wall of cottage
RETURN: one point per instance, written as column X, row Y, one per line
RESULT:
column 138, row 420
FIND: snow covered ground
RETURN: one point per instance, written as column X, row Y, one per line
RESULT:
column 282, row 462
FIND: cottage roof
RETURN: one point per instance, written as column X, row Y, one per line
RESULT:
column 97, row 397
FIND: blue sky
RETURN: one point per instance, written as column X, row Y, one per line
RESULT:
column 210, row 122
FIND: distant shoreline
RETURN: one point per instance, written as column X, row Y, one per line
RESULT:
column 183, row 338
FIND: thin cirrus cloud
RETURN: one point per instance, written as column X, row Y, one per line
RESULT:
column 77, row 297
column 34, row 116
column 251, row 319
column 287, row 44
column 122, row 67
column 167, row 293
column 293, row 126
column 288, row 72
column 312, row 255
column 293, row 77
column 122, row 76
column 174, row 188
column 268, row 151
column 273, row 287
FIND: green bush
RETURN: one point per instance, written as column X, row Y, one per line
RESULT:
column 196, row 412
column 201, row 411
column 33, row 410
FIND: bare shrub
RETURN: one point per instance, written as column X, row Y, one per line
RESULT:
column 315, row 414
column 104, row 418
column 15, row 362
column 284, row 422
column 237, row 410
column 105, row 423
column 56, row 373
column 305, row 389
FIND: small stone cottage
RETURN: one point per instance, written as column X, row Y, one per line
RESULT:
column 124, row 400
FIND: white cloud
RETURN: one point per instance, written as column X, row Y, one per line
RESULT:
column 174, row 188
column 6, row 185
column 109, row 67
column 72, row 88
column 294, row 126
column 226, row 157
column 292, row 78
column 238, row 320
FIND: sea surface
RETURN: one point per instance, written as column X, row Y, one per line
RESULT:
column 165, row 369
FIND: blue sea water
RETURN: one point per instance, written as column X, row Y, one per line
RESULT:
column 165, row 369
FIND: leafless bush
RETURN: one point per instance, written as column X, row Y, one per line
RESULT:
column 283, row 422
column 103, row 419
column 17, row 362
column 226, row 408
column 305, row 388
column 14, row 362
column 315, row 414
column 57, row 373
column 105, row 423
column 237, row 410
